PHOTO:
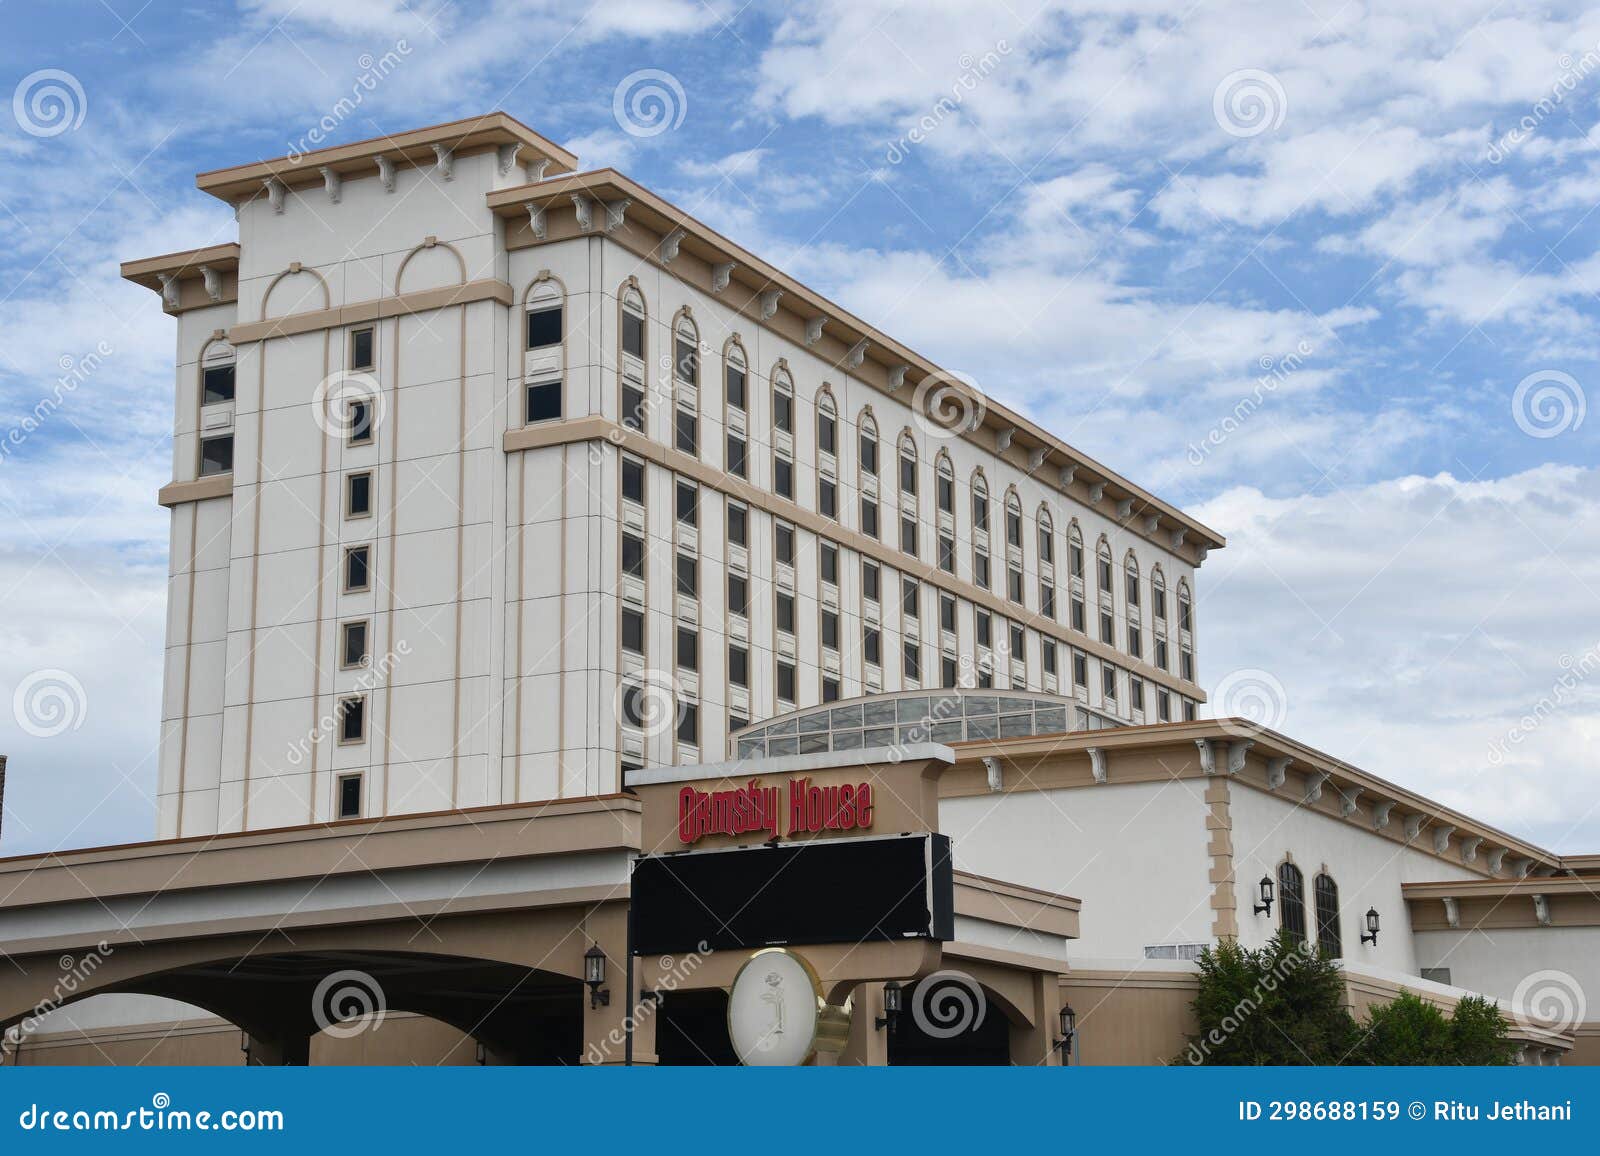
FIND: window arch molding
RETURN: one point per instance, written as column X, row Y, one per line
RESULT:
column 1013, row 506
column 1292, row 901
column 633, row 355
column 544, row 364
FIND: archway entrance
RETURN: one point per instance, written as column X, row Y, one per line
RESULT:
column 950, row 1021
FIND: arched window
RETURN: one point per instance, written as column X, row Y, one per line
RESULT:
column 1013, row 519
column 1131, row 568
column 1047, row 536
column 543, row 350
column 867, row 472
column 827, row 423
column 908, row 495
column 735, row 371
column 1047, row 576
column 631, row 358
column 1329, row 939
column 1185, row 607
column 980, row 530
column 736, row 402
column 1102, row 553
column 1074, row 550
column 1158, row 595
column 686, row 383
column 868, row 435
column 945, row 479
column 1135, row 622
column 783, row 432
column 1292, row 901
column 827, row 449
column 216, row 372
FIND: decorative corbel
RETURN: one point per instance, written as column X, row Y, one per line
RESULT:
column 1522, row 867
column 720, row 274
column 1003, row 437
column 669, row 245
column 585, row 208
column 1066, row 475
column 769, row 303
column 276, row 192
column 169, row 289
column 1177, row 538
column 1541, row 910
column 1237, row 750
column 1036, row 457
column 1414, row 826
column 1347, row 801
column 444, row 161
column 1314, row 783
column 615, row 211
column 1124, row 509
column 1207, row 759
column 857, row 354
column 897, row 376
column 332, row 182
column 814, row 329
column 506, row 157
column 385, row 172
column 1277, row 771
column 1441, row 838
column 535, row 169
column 1201, row 553
column 1452, row 911
column 1097, row 763
column 1152, row 523
column 1469, row 848
column 1496, row 859
column 213, row 281
column 991, row 764
column 1096, row 492
column 1380, row 813
column 536, row 220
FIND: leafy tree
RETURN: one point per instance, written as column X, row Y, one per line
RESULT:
column 1280, row 1004
column 1410, row 1031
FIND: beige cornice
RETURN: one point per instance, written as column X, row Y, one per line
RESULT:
column 192, row 279
column 415, row 147
column 648, row 218
column 177, row 493
column 604, row 429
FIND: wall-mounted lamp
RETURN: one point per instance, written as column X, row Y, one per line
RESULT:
column 891, row 1006
column 1265, row 888
column 1372, row 927
column 1069, row 1029
column 594, row 974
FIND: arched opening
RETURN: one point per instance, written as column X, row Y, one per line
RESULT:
column 949, row 1019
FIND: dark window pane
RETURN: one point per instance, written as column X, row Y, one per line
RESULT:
column 689, row 724
column 738, row 459
column 633, row 408
column 352, row 720
column 738, row 594
column 908, row 474
column 869, row 517
column 1292, row 902
column 735, row 389
column 786, row 681
column 688, row 649
column 216, row 456
column 783, row 544
column 633, row 631
column 355, row 643
column 738, row 525
column 355, row 569
column 687, row 432
column 783, row 477
column 359, row 495
column 827, row 499
column 219, row 384
column 783, row 412
column 827, row 432
column 350, row 797
column 544, row 402
column 361, row 349
column 738, row 666
column 686, row 363
column 688, row 575
column 544, row 328
column 632, row 334
column 785, row 613
column 688, row 505
column 869, row 454
column 632, row 556
column 633, row 480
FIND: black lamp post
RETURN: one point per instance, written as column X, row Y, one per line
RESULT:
column 594, row 974
column 1372, row 927
column 891, row 1006
column 1069, row 1029
column 1265, row 888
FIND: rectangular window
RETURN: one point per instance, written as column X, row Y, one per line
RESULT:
column 830, row 630
column 782, row 412
column 947, row 553
column 1188, row 711
column 783, row 543
column 1161, row 653
column 738, row 595
column 1078, row 622
column 216, row 456
column 1014, row 528
column 985, row 628
column 1075, row 559
column 544, row 328
column 869, row 581
column 1105, row 575
column 686, row 364
column 786, row 681
column 633, row 556
column 361, row 348
column 357, row 572
column 1133, row 588
column 1080, row 669
column 1108, row 633
column 783, row 478
column 1135, row 643
column 980, row 569
column 1047, row 546
column 1186, row 665
column 828, row 563
column 735, row 387
column 1047, row 655
column 738, row 524
column 869, row 454
column 544, row 402
column 738, row 457
column 353, row 644
column 947, row 672
column 827, row 498
column 1014, row 585
column 688, row 649
column 633, row 480
column 688, row 504
column 830, row 690
column 633, row 410
column 218, row 384
column 908, row 475
column 910, row 598
column 947, row 613
column 1108, row 682
column 1163, row 706
column 872, row 645
column 945, row 488
column 353, row 719
column 827, row 433
column 908, row 535
column 1184, row 622
column 869, row 517
column 735, row 723
column 688, row 576
column 911, row 660
column 633, row 631
column 633, row 335
column 357, row 495
column 689, row 723
column 1158, row 598
column 1047, row 600
column 686, row 431
column 1136, row 693
column 349, row 796
column 1019, row 645
column 739, row 666
column 785, row 613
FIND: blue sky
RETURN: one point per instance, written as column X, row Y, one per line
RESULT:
column 1370, row 224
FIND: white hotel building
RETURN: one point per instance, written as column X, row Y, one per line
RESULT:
column 509, row 502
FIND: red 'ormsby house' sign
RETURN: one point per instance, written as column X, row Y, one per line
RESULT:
column 753, row 808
